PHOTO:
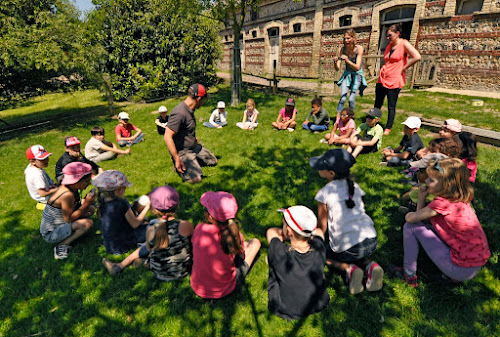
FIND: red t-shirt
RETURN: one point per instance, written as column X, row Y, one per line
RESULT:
column 214, row 272
column 124, row 132
column 459, row 228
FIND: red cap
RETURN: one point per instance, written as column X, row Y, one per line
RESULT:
column 70, row 141
column 37, row 152
column 198, row 90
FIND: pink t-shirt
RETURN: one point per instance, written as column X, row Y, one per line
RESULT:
column 472, row 166
column 459, row 228
column 124, row 132
column 214, row 272
column 344, row 128
column 287, row 116
column 391, row 74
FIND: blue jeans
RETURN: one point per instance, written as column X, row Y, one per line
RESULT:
column 210, row 125
column 344, row 89
column 395, row 161
column 131, row 142
column 313, row 127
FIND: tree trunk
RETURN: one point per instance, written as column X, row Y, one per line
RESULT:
column 236, row 68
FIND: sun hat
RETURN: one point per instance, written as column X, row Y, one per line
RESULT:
column 111, row 180
column 162, row 109
column 452, row 125
column 290, row 101
column 221, row 205
column 198, row 90
column 164, row 198
column 74, row 171
column 336, row 160
column 413, row 122
column 123, row 115
column 301, row 219
column 37, row 152
column 427, row 159
column 70, row 141
column 375, row 112
column 221, row 105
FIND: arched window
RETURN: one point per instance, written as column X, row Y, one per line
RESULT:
column 345, row 21
column 297, row 27
column 468, row 6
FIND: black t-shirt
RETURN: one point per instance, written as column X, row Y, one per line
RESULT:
column 117, row 234
column 183, row 122
column 66, row 159
column 162, row 120
column 296, row 285
column 411, row 144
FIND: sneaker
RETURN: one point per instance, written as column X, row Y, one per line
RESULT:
column 382, row 163
column 354, row 276
column 323, row 141
column 290, row 129
column 138, row 263
column 399, row 272
column 316, row 132
column 112, row 268
column 374, row 277
column 403, row 210
column 61, row 252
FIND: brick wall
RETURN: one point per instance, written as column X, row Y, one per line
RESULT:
column 296, row 55
column 254, row 56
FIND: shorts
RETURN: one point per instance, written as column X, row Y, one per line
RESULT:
column 357, row 252
column 242, row 269
column 59, row 234
column 368, row 149
column 194, row 159
column 143, row 252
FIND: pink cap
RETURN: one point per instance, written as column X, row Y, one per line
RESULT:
column 70, row 141
column 74, row 171
column 453, row 125
column 37, row 152
column 164, row 198
column 221, row 205
column 111, row 180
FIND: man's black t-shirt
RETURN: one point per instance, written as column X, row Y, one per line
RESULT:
column 183, row 122
column 296, row 285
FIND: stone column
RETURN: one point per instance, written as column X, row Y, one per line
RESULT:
column 316, row 47
column 450, row 7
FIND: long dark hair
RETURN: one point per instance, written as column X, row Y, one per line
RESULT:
column 469, row 146
column 350, row 187
column 230, row 237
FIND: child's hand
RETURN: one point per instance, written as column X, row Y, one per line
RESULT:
column 90, row 197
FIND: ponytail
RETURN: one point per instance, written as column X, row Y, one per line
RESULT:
column 161, row 236
column 230, row 237
column 350, row 186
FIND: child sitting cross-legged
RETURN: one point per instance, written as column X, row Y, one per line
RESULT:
column 345, row 124
column 319, row 115
column 168, row 244
column 218, row 118
column 296, row 285
column 368, row 136
column 249, row 116
column 40, row 186
column 408, row 147
column 341, row 211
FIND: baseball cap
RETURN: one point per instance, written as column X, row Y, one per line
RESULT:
column 290, row 101
column 221, row 205
column 198, row 90
column 336, row 160
column 37, row 152
column 70, row 141
column 375, row 112
column 123, row 115
column 452, row 125
column 111, row 180
column 413, row 122
column 164, row 198
column 74, row 171
column 427, row 159
column 301, row 219
column 221, row 105
column 162, row 108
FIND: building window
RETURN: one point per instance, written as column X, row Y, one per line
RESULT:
column 273, row 32
column 225, row 38
column 297, row 27
column 254, row 33
column 468, row 6
column 345, row 20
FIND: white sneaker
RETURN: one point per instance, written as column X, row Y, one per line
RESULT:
column 291, row 130
column 323, row 141
column 61, row 252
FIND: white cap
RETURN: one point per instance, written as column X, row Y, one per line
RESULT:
column 301, row 219
column 123, row 115
column 221, row 104
column 162, row 108
column 413, row 122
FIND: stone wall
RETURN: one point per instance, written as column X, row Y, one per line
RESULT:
column 254, row 56
column 296, row 55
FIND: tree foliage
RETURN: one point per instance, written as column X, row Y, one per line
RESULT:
column 153, row 48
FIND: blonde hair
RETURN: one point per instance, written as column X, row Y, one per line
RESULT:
column 454, row 175
column 161, row 236
column 352, row 34
column 251, row 101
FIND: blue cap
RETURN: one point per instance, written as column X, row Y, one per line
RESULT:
column 337, row 160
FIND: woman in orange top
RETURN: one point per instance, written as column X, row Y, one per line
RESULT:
column 393, row 74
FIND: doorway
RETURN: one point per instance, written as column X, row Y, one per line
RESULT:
column 403, row 15
column 274, row 51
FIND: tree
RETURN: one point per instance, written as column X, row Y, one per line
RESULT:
column 232, row 13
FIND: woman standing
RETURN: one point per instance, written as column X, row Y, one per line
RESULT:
column 352, row 79
column 393, row 74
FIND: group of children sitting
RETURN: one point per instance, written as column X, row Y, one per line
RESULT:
column 217, row 256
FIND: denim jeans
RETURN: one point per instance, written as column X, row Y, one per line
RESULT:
column 131, row 142
column 313, row 127
column 210, row 125
column 395, row 161
column 344, row 89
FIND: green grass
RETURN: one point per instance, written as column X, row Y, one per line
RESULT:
column 265, row 170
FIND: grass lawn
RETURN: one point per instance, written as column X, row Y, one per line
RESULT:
column 265, row 170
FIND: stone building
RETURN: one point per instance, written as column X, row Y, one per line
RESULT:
column 458, row 39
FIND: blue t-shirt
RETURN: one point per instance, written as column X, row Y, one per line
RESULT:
column 117, row 233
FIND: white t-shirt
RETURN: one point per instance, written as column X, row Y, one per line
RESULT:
column 36, row 179
column 217, row 117
column 250, row 115
column 346, row 226
column 92, row 148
